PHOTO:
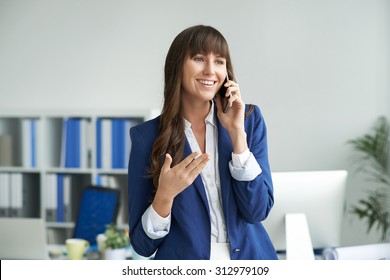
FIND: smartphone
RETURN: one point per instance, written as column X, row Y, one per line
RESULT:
column 222, row 95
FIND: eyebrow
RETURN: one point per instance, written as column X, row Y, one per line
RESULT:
column 203, row 53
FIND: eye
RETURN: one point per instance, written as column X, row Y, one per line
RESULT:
column 220, row 61
column 198, row 58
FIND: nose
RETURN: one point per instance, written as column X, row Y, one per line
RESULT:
column 209, row 68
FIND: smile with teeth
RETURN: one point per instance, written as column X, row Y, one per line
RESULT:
column 207, row 83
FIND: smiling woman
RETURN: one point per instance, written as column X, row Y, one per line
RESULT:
column 203, row 75
column 205, row 188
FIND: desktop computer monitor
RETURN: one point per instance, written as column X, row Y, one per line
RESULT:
column 320, row 195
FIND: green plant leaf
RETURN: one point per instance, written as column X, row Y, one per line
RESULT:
column 116, row 238
column 375, row 210
column 373, row 152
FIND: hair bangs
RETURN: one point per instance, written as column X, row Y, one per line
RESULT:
column 208, row 40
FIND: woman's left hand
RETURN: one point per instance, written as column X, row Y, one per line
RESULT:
column 233, row 119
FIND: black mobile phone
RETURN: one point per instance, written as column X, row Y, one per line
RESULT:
column 222, row 95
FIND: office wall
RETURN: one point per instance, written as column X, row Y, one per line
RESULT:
column 318, row 69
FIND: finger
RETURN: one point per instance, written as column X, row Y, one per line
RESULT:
column 167, row 163
column 197, row 166
column 236, row 99
column 231, row 84
column 196, row 169
column 232, row 99
column 233, row 91
column 187, row 160
column 196, row 161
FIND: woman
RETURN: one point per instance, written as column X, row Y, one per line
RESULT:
column 173, row 211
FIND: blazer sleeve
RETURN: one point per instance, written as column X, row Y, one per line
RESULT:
column 140, row 190
column 255, row 198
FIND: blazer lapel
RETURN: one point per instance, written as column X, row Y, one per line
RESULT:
column 198, row 183
column 225, row 149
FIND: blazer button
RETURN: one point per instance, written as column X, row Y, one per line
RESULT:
column 236, row 250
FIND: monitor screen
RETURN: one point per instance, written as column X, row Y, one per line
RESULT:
column 98, row 208
column 318, row 194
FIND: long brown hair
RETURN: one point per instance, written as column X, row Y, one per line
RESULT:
column 188, row 43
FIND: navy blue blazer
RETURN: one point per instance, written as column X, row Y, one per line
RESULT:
column 245, row 204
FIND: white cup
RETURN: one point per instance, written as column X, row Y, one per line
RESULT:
column 101, row 242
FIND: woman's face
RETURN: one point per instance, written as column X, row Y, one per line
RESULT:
column 203, row 75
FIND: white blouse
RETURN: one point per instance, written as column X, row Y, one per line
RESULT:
column 243, row 167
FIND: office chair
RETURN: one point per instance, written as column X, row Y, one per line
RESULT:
column 98, row 208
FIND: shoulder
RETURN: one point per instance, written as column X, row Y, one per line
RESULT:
column 146, row 130
column 255, row 125
column 253, row 113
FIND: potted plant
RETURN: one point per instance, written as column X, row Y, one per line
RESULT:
column 374, row 151
column 116, row 242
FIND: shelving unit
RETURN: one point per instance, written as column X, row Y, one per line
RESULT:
column 48, row 161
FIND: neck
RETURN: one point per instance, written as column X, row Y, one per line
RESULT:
column 195, row 113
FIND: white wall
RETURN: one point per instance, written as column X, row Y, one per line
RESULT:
column 318, row 68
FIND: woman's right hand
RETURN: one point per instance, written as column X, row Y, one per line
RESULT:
column 173, row 181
